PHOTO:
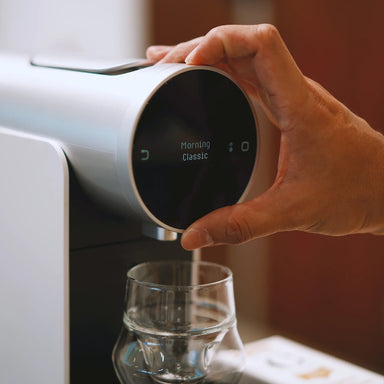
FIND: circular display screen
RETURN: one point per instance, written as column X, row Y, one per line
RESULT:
column 194, row 148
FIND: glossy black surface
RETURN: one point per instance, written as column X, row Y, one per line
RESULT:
column 194, row 148
column 102, row 249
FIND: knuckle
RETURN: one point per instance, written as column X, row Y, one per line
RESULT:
column 219, row 31
column 215, row 32
column 268, row 33
column 237, row 229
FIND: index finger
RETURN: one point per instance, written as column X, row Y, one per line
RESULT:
column 281, row 84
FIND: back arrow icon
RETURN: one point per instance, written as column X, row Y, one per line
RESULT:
column 145, row 154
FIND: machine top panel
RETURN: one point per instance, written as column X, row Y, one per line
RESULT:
column 85, row 64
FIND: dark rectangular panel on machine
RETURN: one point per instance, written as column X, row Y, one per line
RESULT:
column 103, row 248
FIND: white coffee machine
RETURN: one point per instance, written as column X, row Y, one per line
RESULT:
column 99, row 160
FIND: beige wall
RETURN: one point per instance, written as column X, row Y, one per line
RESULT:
column 95, row 27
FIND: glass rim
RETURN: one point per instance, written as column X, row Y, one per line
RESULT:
column 226, row 271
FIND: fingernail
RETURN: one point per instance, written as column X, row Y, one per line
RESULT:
column 196, row 238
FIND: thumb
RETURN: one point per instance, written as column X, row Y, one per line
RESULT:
column 262, row 216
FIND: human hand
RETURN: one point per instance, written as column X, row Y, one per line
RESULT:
column 330, row 172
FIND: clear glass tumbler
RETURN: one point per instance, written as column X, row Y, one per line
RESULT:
column 179, row 325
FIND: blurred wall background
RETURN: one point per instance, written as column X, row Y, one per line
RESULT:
column 330, row 291
column 100, row 27
column 327, row 292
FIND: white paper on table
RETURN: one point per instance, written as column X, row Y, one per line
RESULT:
column 277, row 360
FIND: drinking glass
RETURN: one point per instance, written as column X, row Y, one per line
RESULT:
column 179, row 325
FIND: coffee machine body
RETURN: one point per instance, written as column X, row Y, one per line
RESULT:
column 99, row 163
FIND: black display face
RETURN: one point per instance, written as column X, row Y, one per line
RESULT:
column 194, row 148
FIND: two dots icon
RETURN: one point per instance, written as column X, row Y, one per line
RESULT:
column 244, row 146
